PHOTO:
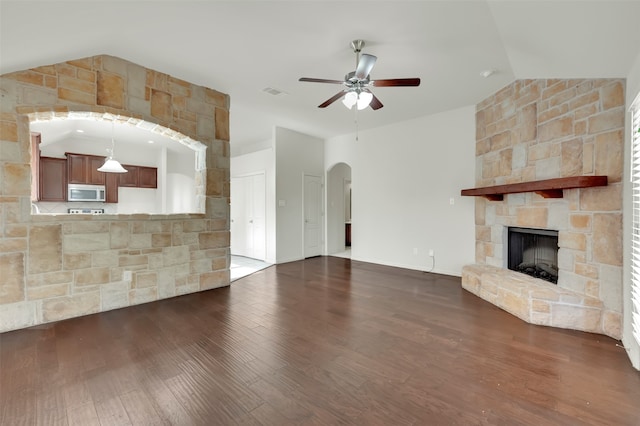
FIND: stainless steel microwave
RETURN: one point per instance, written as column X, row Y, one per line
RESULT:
column 78, row 192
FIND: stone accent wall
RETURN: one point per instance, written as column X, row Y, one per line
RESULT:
column 543, row 129
column 54, row 267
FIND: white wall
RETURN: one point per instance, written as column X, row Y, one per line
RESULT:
column 258, row 162
column 297, row 154
column 403, row 177
column 180, row 183
column 633, row 89
column 137, row 200
column 181, row 193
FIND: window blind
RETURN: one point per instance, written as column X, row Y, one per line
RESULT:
column 635, row 240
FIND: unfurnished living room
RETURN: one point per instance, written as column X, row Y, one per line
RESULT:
column 436, row 206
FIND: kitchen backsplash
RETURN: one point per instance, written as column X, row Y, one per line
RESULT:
column 42, row 207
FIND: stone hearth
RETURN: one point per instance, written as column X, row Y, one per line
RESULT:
column 534, row 300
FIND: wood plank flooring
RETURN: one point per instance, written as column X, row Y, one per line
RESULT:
column 324, row 341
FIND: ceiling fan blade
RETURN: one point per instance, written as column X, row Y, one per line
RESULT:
column 396, row 82
column 365, row 64
column 331, row 100
column 320, row 80
column 375, row 103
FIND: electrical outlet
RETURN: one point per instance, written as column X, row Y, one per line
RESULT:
column 431, row 254
column 415, row 250
column 127, row 276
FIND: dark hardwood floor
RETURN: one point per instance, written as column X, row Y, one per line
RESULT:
column 323, row 341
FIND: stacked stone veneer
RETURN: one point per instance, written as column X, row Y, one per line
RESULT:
column 54, row 267
column 542, row 129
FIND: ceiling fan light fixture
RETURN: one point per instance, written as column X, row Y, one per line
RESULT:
column 360, row 100
column 364, row 99
column 350, row 99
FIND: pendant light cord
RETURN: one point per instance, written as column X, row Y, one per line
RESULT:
column 113, row 143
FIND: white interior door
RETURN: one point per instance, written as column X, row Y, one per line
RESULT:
column 312, row 216
column 248, row 214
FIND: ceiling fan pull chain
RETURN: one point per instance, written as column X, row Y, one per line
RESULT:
column 356, row 120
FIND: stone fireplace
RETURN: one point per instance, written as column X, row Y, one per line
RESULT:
column 534, row 130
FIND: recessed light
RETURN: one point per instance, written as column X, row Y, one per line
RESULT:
column 79, row 131
column 150, row 142
column 487, row 73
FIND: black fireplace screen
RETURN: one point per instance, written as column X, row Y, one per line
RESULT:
column 534, row 252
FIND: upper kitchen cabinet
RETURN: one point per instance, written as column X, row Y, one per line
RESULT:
column 52, row 185
column 83, row 168
column 147, row 177
column 129, row 179
column 139, row 177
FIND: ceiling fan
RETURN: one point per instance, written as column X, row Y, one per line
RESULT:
column 357, row 83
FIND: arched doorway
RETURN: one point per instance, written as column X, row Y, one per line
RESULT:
column 339, row 210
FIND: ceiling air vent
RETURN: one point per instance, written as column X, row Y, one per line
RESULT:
column 272, row 91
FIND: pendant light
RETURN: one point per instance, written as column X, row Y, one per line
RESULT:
column 111, row 165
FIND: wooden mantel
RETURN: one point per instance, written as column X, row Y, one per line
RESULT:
column 549, row 188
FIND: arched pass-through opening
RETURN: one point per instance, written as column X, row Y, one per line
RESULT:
column 175, row 162
column 339, row 210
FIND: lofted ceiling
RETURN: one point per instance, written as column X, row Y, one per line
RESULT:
column 243, row 47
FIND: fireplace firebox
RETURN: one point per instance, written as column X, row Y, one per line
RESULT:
column 533, row 252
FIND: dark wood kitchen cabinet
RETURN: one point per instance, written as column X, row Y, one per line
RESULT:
column 83, row 169
column 111, row 187
column 129, row 179
column 56, row 173
column 147, row 177
column 139, row 177
column 52, row 185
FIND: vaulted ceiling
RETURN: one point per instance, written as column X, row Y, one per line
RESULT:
column 244, row 47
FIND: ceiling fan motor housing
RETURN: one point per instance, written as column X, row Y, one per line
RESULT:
column 350, row 80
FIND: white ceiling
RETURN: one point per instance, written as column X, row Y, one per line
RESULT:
column 243, row 47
